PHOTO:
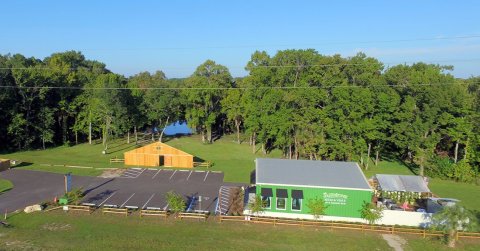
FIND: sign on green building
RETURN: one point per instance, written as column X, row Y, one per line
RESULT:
column 287, row 185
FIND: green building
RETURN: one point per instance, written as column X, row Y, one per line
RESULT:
column 287, row 185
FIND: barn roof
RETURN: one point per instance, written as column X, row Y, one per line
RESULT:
column 310, row 173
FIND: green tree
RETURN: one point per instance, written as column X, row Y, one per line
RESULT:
column 45, row 127
column 452, row 219
column 203, row 108
column 316, row 207
column 176, row 203
column 257, row 205
column 371, row 213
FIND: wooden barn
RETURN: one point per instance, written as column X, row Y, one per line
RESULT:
column 158, row 154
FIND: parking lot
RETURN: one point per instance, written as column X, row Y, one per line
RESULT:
column 140, row 188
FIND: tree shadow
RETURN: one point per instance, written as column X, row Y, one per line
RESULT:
column 99, row 197
column 99, row 185
column 253, row 177
column 22, row 164
column 192, row 200
column 198, row 159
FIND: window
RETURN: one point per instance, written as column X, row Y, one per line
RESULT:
column 296, row 204
column 281, row 203
column 266, row 202
column 266, row 194
column 297, row 197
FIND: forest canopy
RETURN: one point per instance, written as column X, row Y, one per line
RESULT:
column 305, row 104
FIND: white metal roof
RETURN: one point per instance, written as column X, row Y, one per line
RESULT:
column 406, row 183
column 310, row 173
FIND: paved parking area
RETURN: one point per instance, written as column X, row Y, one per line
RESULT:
column 137, row 188
column 32, row 187
column 147, row 188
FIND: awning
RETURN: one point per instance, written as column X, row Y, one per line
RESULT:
column 404, row 183
column 282, row 193
column 267, row 192
column 297, row 194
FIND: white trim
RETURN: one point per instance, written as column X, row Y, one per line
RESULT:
column 291, row 205
column 341, row 188
column 276, row 204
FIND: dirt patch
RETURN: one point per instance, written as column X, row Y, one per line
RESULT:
column 394, row 241
column 112, row 173
column 19, row 245
column 56, row 227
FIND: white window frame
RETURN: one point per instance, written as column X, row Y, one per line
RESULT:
column 269, row 199
column 297, row 210
column 276, row 204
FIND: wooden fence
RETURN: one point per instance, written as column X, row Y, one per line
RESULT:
column 116, row 160
column 88, row 209
column 199, row 216
column 339, row 225
column 206, row 164
column 113, row 210
column 151, row 212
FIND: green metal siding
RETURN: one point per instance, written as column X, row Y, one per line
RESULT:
column 340, row 202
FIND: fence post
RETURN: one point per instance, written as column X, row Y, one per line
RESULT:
column 456, row 236
column 274, row 220
column 393, row 229
column 424, row 233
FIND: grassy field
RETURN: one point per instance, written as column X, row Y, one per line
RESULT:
column 5, row 185
column 235, row 160
column 60, row 231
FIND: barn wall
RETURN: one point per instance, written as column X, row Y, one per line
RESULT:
column 149, row 155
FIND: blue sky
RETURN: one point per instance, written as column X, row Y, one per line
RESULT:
column 177, row 36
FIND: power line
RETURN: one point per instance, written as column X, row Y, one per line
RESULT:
column 225, row 88
column 291, row 45
column 267, row 66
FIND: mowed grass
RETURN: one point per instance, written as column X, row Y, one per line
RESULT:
column 60, row 231
column 5, row 185
column 235, row 160
column 85, row 155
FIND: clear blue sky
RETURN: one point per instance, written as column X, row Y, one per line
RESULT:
column 177, row 36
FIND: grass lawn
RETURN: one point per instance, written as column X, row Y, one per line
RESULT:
column 5, row 185
column 79, row 155
column 60, row 231
column 235, row 160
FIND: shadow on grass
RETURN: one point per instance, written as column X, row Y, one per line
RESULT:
column 22, row 164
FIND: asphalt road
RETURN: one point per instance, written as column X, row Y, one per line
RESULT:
column 136, row 188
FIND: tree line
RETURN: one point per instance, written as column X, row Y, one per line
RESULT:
column 305, row 104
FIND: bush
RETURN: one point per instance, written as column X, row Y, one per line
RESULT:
column 440, row 167
column 463, row 172
column 176, row 203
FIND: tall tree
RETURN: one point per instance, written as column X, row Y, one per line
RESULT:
column 203, row 99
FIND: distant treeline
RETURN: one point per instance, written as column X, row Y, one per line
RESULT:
column 298, row 101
